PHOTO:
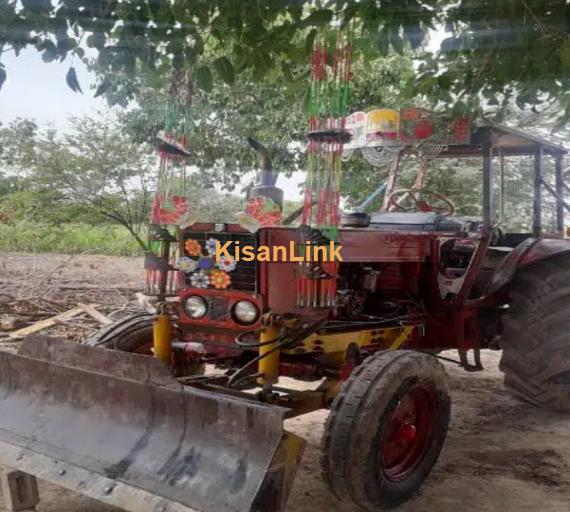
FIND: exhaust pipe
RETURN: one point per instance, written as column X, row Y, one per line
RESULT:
column 266, row 178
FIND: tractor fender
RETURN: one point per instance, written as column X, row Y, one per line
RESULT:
column 531, row 251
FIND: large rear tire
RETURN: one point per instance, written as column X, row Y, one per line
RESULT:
column 386, row 429
column 536, row 335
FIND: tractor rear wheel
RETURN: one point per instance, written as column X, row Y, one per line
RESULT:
column 536, row 335
column 131, row 334
column 386, row 429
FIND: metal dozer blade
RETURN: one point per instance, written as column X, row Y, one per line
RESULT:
column 119, row 428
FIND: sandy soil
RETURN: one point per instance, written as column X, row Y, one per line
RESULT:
column 500, row 455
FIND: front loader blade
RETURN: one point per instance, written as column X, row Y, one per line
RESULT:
column 119, row 428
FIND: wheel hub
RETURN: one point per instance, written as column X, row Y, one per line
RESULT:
column 409, row 433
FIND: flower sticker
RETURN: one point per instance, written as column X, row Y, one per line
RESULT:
column 220, row 279
column 186, row 264
column 211, row 244
column 200, row 280
column 193, row 247
column 227, row 264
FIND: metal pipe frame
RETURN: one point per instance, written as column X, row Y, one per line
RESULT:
column 560, row 203
column 487, row 186
column 537, row 198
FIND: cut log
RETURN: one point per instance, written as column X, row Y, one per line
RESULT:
column 49, row 322
column 92, row 312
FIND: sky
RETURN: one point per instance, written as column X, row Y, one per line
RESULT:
column 37, row 90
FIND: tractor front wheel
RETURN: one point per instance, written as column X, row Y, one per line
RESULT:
column 131, row 334
column 536, row 335
column 386, row 429
column 134, row 334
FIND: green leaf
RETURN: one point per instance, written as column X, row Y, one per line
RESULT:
column 72, row 82
column 318, row 18
column 383, row 43
column 2, row 76
column 96, row 40
column 204, row 78
column 310, row 40
column 37, row 5
column 397, row 43
column 103, row 87
column 225, row 69
column 49, row 54
column 564, row 51
column 415, row 35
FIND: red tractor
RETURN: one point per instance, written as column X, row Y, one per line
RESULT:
column 160, row 433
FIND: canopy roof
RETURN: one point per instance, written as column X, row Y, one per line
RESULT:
column 507, row 140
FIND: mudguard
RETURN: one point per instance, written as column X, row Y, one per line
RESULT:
column 526, row 253
column 119, row 428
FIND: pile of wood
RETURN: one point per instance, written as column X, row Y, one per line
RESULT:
column 67, row 296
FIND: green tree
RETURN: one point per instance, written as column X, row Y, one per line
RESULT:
column 496, row 51
column 95, row 168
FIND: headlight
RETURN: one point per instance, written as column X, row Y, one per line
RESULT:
column 246, row 312
column 195, row 307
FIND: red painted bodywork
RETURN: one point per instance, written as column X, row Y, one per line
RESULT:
column 410, row 259
column 410, row 262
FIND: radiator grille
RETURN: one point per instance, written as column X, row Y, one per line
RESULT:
column 244, row 276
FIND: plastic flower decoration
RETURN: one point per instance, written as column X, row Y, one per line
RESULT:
column 186, row 264
column 193, row 247
column 205, row 263
column 200, row 280
column 220, row 279
column 227, row 264
column 211, row 244
column 264, row 210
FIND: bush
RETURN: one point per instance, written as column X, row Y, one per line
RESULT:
column 26, row 236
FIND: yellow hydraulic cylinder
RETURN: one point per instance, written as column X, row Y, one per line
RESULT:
column 162, row 337
column 268, row 364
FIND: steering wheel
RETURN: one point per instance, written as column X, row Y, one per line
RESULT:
column 447, row 208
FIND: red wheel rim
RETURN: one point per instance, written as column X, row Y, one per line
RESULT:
column 409, row 433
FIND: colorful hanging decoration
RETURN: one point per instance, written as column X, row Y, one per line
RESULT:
column 170, row 209
column 162, row 275
column 383, row 125
column 410, row 126
column 265, row 210
column 170, row 204
column 328, row 99
column 416, row 125
column 259, row 212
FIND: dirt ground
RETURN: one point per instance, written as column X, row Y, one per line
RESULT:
column 500, row 455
